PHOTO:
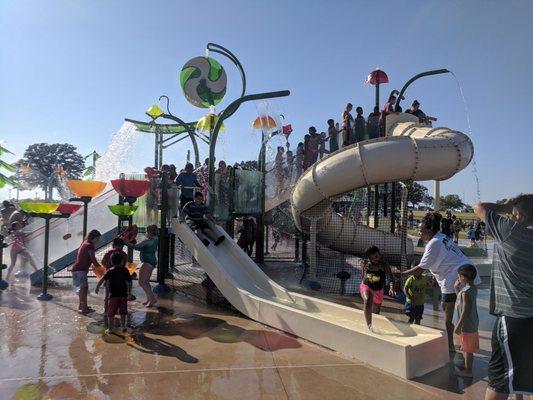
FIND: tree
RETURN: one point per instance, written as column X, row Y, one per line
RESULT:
column 418, row 194
column 44, row 165
column 451, row 202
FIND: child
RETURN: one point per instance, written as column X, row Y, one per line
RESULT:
column 299, row 159
column 195, row 214
column 84, row 259
column 471, row 235
column 333, row 136
column 118, row 283
column 116, row 247
column 373, row 282
column 147, row 254
column 415, row 293
column 466, row 313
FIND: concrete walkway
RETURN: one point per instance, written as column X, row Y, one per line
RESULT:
column 184, row 350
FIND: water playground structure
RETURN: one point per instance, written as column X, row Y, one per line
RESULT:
column 408, row 151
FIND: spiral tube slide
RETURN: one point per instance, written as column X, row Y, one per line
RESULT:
column 411, row 152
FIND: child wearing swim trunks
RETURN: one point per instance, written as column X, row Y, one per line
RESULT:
column 466, row 318
column 116, row 247
column 118, row 283
column 372, row 285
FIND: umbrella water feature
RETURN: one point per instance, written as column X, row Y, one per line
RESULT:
column 46, row 211
column 123, row 210
column 38, row 207
column 129, row 190
column 85, row 191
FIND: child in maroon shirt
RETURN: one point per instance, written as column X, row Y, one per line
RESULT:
column 84, row 259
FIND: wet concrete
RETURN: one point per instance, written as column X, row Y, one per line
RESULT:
column 184, row 350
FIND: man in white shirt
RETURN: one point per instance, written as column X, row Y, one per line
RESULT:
column 442, row 257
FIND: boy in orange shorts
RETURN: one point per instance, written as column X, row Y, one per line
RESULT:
column 466, row 313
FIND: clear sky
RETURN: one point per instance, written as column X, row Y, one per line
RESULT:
column 71, row 71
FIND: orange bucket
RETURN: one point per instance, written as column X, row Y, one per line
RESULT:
column 131, row 267
column 98, row 271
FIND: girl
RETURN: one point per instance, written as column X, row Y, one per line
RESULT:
column 147, row 249
column 84, row 259
column 17, row 247
column 373, row 283
column 466, row 316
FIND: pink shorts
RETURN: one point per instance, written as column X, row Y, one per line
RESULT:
column 377, row 295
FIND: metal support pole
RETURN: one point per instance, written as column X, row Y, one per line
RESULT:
column 376, row 205
column 160, row 151
column 385, row 198
column 403, row 251
column 313, row 262
column 162, row 269
column 297, row 246
column 368, row 204
column 312, row 256
column 156, row 150
column 393, row 207
column 437, row 196
column 3, row 284
column 45, row 296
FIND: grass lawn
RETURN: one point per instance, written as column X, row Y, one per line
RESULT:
column 464, row 216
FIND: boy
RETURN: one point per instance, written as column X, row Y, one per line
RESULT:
column 466, row 318
column 195, row 214
column 118, row 282
column 116, row 247
column 415, row 293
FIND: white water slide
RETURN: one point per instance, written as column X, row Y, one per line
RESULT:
column 411, row 152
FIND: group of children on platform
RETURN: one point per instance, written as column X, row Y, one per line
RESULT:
column 375, row 271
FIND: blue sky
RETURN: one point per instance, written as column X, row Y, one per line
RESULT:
column 71, row 71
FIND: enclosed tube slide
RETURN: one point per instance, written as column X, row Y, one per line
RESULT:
column 410, row 152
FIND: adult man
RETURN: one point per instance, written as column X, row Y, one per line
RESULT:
column 511, row 295
column 187, row 181
column 417, row 112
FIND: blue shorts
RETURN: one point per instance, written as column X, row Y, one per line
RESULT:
column 414, row 311
column 79, row 279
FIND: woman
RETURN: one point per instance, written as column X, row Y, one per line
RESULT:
column 84, row 259
column 372, row 286
column 442, row 257
column 147, row 253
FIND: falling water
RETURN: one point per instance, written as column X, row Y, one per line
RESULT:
column 467, row 114
column 115, row 159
